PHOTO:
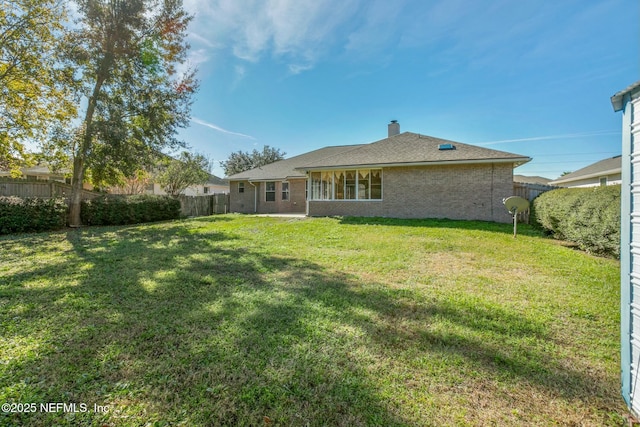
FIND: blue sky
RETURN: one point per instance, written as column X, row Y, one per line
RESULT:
column 528, row 77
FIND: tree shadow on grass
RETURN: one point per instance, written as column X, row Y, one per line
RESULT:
column 178, row 324
column 155, row 327
column 495, row 227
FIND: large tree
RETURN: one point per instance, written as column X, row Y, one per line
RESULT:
column 175, row 175
column 36, row 85
column 241, row 161
column 126, row 53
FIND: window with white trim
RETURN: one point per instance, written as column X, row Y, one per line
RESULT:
column 241, row 187
column 316, row 185
column 327, row 185
column 376, row 184
column 285, row 191
column 350, row 185
column 270, row 191
column 361, row 184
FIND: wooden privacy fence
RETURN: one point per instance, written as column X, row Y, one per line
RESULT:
column 42, row 189
column 204, row 205
column 529, row 191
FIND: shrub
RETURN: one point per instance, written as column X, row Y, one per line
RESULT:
column 119, row 210
column 589, row 217
column 18, row 215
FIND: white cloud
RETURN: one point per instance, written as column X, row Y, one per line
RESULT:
column 240, row 72
column 548, row 137
column 218, row 128
column 194, row 59
column 300, row 33
column 377, row 29
column 294, row 31
column 202, row 40
column 299, row 68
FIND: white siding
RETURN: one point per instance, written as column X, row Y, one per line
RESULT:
column 634, row 249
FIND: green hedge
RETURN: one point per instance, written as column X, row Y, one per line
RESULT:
column 19, row 215
column 589, row 217
column 119, row 210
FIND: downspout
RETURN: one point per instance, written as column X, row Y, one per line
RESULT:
column 308, row 193
column 255, row 197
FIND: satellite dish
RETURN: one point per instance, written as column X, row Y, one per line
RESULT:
column 515, row 205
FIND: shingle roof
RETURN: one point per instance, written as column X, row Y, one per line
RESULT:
column 404, row 149
column 531, row 179
column 603, row 167
column 411, row 149
column 288, row 168
column 214, row 180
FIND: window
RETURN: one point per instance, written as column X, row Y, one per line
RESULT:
column 327, row 185
column 270, row 191
column 205, row 190
column 285, row 191
column 241, row 187
column 338, row 185
column 361, row 184
column 376, row 184
column 350, row 185
column 316, row 185
column 603, row 181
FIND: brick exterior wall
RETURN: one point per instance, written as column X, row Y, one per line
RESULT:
column 244, row 202
column 471, row 192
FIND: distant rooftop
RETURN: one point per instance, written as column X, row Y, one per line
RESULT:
column 609, row 166
column 531, row 179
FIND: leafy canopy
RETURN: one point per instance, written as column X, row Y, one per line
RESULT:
column 240, row 161
column 36, row 82
column 175, row 175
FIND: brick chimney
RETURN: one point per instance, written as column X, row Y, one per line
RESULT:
column 394, row 128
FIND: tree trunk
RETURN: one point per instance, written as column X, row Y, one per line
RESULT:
column 80, row 158
column 76, row 192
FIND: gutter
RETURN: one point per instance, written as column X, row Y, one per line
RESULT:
column 286, row 178
column 255, row 197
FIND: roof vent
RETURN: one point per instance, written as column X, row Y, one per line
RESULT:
column 443, row 147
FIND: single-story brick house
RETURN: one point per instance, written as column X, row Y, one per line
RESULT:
column 601, row 173
column 406, row 175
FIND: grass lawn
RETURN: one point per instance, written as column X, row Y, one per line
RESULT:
column 239, row 320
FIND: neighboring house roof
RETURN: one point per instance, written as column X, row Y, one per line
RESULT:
column 41, row 169
column 531, row 179
column 617, row 99
column 411, row 149
column 288, row 168
column 604, row 167
column 214, row 180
